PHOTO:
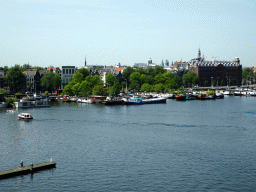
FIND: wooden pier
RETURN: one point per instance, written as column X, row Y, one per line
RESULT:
column 26, row 170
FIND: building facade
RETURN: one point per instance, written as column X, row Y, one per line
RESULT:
column 220, row 73
column 66, row 74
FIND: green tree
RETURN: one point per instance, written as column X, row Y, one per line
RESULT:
column 96, row 80
column 159, row 70
column 84, row 71
column 248, row 75
column 68, row 89
column 190, row 78
column 206, row 83
column 214, row 82
column 135, row 81
column 48, row 80
column 146, row 87
column 159, row 87
column 77, row 77
column 57, row 80
column 16, row 78
column 85, row 88
column 2, row 91
column 26, row 67
column 110, row 79
column 159, row 78
column 222, row 82
column 144, row 79
column 100, row 90
column 126, row 74
column 115, row 90
column 76, row 89
column 172, row 84
column 38, row 68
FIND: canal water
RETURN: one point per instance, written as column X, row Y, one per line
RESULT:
column 177, row 146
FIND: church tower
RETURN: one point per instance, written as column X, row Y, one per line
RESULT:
column 85, row 62
column 199, row 55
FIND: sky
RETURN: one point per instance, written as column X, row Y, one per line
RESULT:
column 62, row 33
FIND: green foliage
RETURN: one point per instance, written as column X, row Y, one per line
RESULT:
column 76, row 89
column 159, row 70
column 48, row 79
column 100, row 90
column 115, row 90
column 68, row 89
column 146, row 87
column 26, row 67
column 16, row 77
column 214, row 82
column 211, row 93
column 46, row 93
column 135, row 81
column 159, row 87
column 18, row 93
column 248, row 75
column 3, row 92
column 110, row 79
column 206, row 83
column 222, row 82
column 126, row 73
column 77, row 77
column 96, row 80
column 57, row 80
column 84, row 71
column 190, row 78
column 85, row 88
column 39, row 68
column 11, row 100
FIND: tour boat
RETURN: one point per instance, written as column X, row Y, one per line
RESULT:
column 133, row 101
column 25, row 116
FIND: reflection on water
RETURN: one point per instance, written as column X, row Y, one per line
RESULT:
column 177, row 146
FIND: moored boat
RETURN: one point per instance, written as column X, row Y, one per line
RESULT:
column 133, row 101
column 180, row 97
column 154, row 100
column 25, row 116
column 113, row 101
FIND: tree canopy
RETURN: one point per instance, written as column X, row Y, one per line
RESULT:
column 16, row 78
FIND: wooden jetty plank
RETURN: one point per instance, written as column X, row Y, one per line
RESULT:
column 26, row 169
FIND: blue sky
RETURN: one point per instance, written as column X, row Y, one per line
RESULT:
column 62, row 33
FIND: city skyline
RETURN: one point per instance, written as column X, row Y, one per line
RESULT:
column 44, row 33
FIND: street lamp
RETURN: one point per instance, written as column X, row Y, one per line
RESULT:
column 211, row 80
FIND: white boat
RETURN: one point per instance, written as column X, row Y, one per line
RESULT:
column 85, row 101
column 25, row 116
column 227, row 93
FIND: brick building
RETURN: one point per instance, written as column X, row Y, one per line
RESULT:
column 220, row 72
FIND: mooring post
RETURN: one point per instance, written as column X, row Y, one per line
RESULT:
column 31, row 167
column 21, row 163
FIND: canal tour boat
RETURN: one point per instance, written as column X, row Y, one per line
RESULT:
column 25, row 116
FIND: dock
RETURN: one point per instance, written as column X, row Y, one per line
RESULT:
column 26, row 170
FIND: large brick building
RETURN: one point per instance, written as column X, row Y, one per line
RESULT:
column 220, row 72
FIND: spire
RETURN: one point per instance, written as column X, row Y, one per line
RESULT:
column 199, row 54
column 85, row 62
